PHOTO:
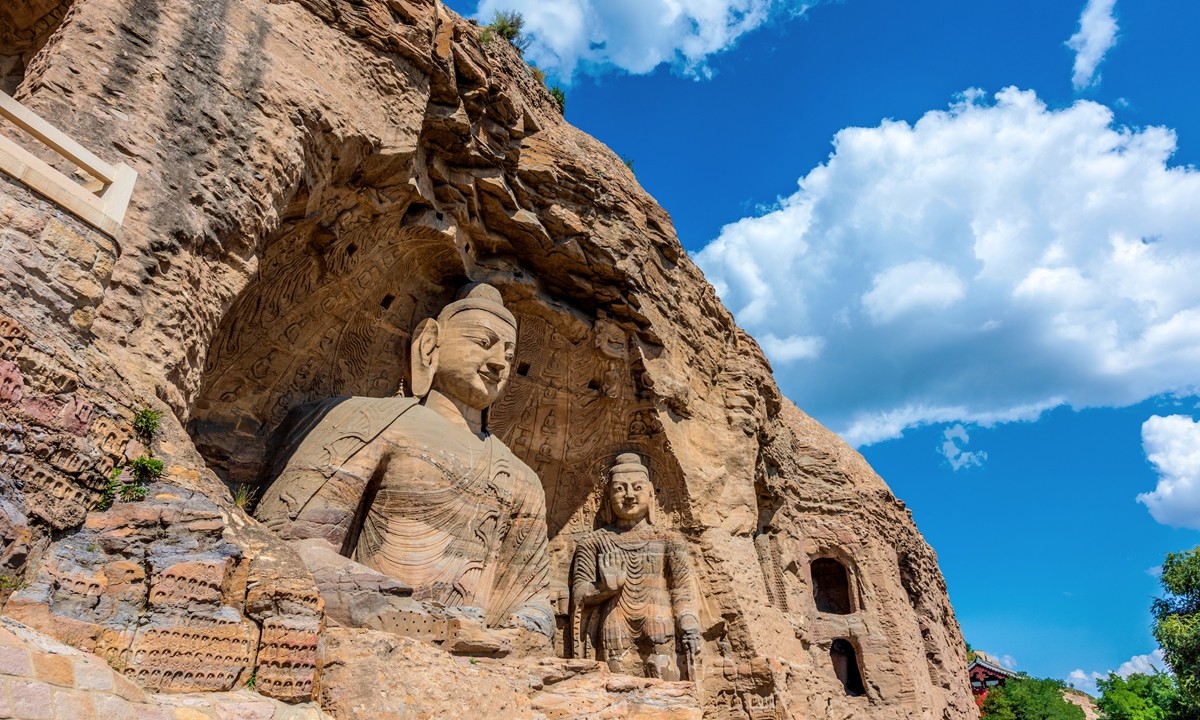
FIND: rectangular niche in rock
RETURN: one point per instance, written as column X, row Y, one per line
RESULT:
column 831, row 587
column 845, row 664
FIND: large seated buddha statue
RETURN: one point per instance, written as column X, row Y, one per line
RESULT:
column 417, row 490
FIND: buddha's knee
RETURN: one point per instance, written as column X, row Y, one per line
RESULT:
column 661, row 664
column 616, row 636
column 659, row 631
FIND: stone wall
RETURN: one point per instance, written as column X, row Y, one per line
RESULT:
column 316, row 176
column 61, row 429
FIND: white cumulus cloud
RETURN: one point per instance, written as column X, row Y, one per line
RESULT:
column 915, row 285
column 1096, row 36
column 954, row 442
column 1141, row 664
column 636, row 35
column 1085, row 681
column 1172, row 445
column 791, row 348
column 982, row 265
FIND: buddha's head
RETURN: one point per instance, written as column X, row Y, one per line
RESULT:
column 629, row 496
column 466, row 353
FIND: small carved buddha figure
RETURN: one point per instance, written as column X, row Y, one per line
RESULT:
column 638, row 428
column 631, row 584
column 416, row 488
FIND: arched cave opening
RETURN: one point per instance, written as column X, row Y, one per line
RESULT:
column 330, row 312
column 831, row 587
column 25, row 27
column 845, row 665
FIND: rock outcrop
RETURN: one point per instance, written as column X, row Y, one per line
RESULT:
column 155, row 588
column 431, row 683
column 317, row 176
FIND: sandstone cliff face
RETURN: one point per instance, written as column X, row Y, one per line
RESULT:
column 316, row 176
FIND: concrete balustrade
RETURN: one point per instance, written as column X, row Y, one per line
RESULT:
column 101, row 203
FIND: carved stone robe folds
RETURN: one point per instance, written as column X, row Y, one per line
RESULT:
column 657, row 590
column 398, row 488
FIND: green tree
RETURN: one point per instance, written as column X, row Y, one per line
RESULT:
column 997, row 706
column 1140, row 697
column 560, row 98
column 1177, row 621
column 1030, row 699
column 510, row 25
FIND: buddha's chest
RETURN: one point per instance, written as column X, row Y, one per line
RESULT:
column 468, row 494
column 644, row 562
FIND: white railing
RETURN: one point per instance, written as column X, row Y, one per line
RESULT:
column 101, row 203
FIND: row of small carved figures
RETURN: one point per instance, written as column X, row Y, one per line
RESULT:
column 290, row 642
column 165, row 678
column 214, row 654
column 166, row 585
column 233, row 649
column 160, row 678
column 209, row 636
column 221, row 668
column 39, row 478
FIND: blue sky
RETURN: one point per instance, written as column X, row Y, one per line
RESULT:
column 968, row 237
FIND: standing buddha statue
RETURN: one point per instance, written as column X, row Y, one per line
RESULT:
column 631, row 584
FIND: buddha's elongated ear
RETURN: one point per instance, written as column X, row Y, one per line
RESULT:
column 423, row 357
column 652, row 511
column 605, row 516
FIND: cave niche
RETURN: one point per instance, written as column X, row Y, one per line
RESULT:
column 831, row 586
column 844, row 657
column 328, row 313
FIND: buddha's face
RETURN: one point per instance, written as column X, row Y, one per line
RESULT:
column 630, row 495
column 475, row 354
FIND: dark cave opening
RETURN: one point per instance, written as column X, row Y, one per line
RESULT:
column 831, row 587
column 845, row 664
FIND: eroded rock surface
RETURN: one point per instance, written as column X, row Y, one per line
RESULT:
column 25, row 26
column 425, row 682
column 318, row 176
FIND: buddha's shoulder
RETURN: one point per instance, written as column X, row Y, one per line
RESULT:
column 595, row 538
column 518, row 465
column 357, row 413
column 344, row 422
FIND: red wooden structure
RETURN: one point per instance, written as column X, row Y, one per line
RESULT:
column 986, row 673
